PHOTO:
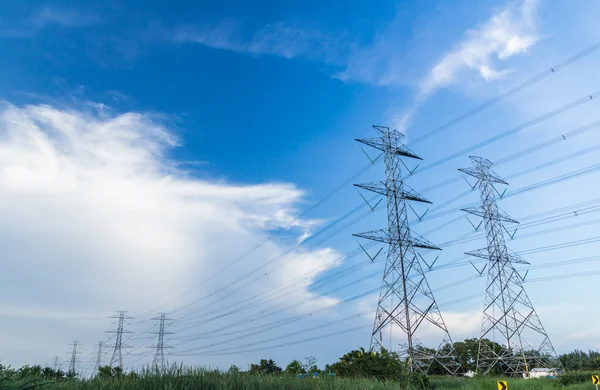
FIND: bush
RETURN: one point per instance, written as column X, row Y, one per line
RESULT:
column 571, row 378
column 382, row 365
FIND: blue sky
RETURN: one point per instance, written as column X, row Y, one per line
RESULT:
column 146, row 145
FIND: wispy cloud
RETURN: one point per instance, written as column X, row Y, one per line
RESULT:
column 64, row 17
column 510, row 31
column 26, row 26
column 283, row 39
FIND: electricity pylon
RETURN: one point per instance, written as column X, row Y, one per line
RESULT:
column 119, row 346
column 99, row 356
column 406, row 306
column 56, row 366
column 509, row 318
column 72, row 366
column 159, row 357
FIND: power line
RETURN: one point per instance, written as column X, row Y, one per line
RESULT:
column 514, row 130
column 552, row 70
column 567, row 62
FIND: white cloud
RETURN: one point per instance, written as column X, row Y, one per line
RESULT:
column 95, row 218
column 509, row 32
column 283, row 39
column 65, row 17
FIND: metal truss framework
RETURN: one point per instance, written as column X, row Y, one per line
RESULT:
column 509, row 318
column 406, row 306
column 159, row 356
column 74, row 353
column 99, row 356
column 119, row 346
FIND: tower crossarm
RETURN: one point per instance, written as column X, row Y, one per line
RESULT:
column 388, row 142
column 509, row 257
column 418, row 241
column 487, row 176
column 381, row 235
column 381, row 188
column 496, row 215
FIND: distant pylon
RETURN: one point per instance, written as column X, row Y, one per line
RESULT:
column 159, row 357
column 99, row 356
column 509, row 318
column 56, row 367
column 406, row 306
column 119, row 346
column 73, row 365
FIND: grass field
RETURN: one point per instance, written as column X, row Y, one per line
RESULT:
column 185, row 379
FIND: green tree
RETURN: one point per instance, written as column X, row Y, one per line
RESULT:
column 382, row 365
column 466, row 354
column 48, row 373
column 295, row 368
column 310, row 365
column 265, row 367
column 105, row 372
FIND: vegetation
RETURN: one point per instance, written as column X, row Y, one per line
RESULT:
column 358, row 369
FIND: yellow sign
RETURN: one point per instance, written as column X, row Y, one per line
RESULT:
column 502, row 385
column 596, row 379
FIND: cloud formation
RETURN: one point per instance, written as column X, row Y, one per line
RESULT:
column 282, row 39
column 96, row 218
column 509, row 32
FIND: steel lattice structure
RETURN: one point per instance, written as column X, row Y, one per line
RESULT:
column 406, row 306
column 99, row 356
column 73, row 365
column 119, row 346
column 159, row 356
column 509, row 318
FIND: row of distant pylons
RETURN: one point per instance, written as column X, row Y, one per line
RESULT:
column 407, row 308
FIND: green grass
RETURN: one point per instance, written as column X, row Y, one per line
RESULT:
column 513, row 384
column 184, row 379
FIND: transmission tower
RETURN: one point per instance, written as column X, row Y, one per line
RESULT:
column 159, row 357
column 56, row 367
column 406, row 306
column 119, row 346
column 74, row 353
column 509, row 318
column 99, row 356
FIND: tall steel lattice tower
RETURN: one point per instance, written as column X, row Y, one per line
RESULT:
column 159, row 357
column 406, row 306
column 99, row 356
column 509, row 318
column 73, row 365
column 119, row 346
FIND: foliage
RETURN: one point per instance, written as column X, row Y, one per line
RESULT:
column 581, row 361
column 382, row 365
column 570, row 378
column 358, row 369
column 310, row 365
column 105, row 372
column 265, row 367
column 295, row 368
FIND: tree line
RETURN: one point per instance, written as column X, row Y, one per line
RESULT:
column 359, row 363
